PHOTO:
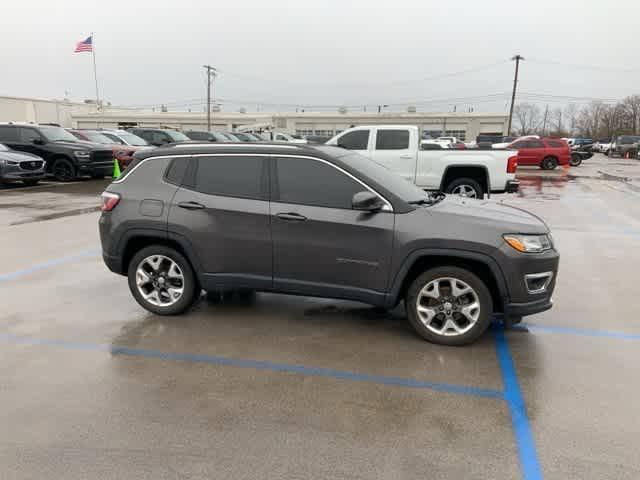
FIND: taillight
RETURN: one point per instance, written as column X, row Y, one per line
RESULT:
column 512, row 164
column 109, row 201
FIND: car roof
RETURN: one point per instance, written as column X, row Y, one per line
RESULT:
column 195, row 147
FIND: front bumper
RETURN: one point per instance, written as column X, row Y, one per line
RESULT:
column 512, row 186
column 95, row 168
column 15, row 174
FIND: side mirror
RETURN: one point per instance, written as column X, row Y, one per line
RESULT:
column 367, row 202
column 37, row 141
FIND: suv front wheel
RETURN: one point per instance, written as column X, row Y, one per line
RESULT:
column 449, row 306
column 162, row 280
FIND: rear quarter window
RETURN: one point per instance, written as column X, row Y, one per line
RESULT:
column 176, row 170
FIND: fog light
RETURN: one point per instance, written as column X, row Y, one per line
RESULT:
column 538, row 282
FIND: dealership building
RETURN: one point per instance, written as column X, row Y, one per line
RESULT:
column 465, row 126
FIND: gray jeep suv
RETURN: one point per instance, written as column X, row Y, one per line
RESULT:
column 325, row 222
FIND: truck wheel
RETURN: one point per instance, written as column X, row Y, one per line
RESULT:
column 162, row 281
column 63, row 170
column 549, row 163
column 465, row 187
column 575, row 160
column 449, row 306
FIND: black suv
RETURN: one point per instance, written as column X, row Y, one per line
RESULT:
column 320, row 221
column 159, row 136
column 66, row 157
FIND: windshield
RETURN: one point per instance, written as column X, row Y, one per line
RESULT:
column 243, row 137
column 380, row 174
column 132, row 139
column 54, row 134
column 99, row 138
column 177, row 136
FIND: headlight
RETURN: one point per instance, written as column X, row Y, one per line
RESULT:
column 82, row 155
column 11, row 162
column 529, row 243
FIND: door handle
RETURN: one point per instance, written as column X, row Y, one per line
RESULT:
column 406, row 156
column 291, row 217
column 191, row 205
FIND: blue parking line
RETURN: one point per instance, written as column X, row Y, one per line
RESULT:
column 527, row 452
column 4, row 277
column 578, row 331
column 261, row 365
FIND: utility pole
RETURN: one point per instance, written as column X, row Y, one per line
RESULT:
column 211, row 74
column 517, row 58
column 544, row 122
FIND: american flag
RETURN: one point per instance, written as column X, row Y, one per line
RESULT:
column 84, row 46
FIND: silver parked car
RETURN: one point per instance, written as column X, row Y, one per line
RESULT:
column 20, row 166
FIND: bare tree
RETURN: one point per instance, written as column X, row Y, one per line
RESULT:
column 611, row 121
column 631, row 108
column 557, row 122
column 589, row 118
column 571, row 118
column 527, row 118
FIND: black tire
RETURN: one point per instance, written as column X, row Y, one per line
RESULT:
column 468, row 184
column 479, row 288
column 30, row 183
column 549, row 163
column 575, row 160
column 63, row 170
column 191, row 288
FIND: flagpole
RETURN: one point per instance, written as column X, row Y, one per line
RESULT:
column 95, row 75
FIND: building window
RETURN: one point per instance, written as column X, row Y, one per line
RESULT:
column 304, row 132
column 459, row 134
column 324, row 133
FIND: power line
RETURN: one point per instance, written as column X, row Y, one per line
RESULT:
column 582, row 66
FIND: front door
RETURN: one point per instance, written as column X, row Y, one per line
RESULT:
column 27, row 138
column 321, row 246
column 222, row 211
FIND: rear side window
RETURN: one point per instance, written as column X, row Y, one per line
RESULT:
column 312, row 182
column 431, row 146
column 176, row 170
column 356, row 140
column 392, row 140
column 233, row 176
column 8, row 134
column 28, row 135
column 555, row 143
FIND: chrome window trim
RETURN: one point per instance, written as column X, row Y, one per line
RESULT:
column 387, row 207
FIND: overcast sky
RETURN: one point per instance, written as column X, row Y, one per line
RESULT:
column 334, row 52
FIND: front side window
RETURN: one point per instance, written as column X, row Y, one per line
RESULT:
column 519, row 145
column 535, row 144
column 57, row 134
column 356, row 140
column 159, row 138
column 392, row 140
column 312, row 182
column 8, row 134
column 28, row 135
column 232, row 176
column 555, row 143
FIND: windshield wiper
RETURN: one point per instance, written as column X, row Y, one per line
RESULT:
column 432, row 199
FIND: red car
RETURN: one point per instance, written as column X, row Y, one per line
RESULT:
column 546, row 153
column 124, row 153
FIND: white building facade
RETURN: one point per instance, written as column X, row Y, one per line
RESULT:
column 465, row 126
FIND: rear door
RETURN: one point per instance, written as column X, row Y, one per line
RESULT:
column 320, row 244
column 222, row 210
column 536, row 150
column 395, row 149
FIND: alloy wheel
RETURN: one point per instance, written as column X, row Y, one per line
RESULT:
column 160, row 280
column 448, row 306
column 465, row 191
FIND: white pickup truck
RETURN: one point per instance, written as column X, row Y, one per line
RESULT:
column 470, row 173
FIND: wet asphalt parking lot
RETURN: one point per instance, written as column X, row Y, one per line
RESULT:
column 94, row 387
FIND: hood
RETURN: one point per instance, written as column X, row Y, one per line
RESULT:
column 19, row 156
column 488, row 213
column 81, row 145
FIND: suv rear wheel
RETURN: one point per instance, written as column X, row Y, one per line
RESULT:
column 449, row 306
column 162, row 280
column 549, row 163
